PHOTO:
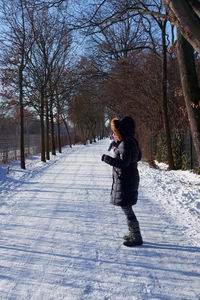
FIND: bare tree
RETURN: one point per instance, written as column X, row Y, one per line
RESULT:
column 117, row 41
column 191, row 89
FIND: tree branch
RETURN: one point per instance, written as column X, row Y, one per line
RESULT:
column 186, row 20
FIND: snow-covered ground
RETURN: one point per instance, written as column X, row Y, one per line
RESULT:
column 60, row 238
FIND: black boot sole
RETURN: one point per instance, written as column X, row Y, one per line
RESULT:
column 132, row 244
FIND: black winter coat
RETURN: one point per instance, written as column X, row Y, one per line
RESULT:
column 124, row 190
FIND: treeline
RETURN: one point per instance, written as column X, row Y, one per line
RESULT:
column 154, row 71
column 38, row 77
column 136, row 64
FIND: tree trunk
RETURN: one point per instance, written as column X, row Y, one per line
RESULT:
column 47, row 128
column 66, row 126
column 53, row 147
column 42, row 127
column 58, row 126
column 164, row 98
column 187, row 21
column 22, row 152
column 59, row 139
column 191, row 90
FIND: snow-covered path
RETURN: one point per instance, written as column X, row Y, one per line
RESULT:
column 60, row 238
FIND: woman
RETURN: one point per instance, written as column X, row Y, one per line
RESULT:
column 124, row 190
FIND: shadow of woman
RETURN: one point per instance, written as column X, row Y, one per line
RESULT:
column 191, row 249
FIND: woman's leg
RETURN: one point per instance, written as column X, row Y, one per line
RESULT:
column 134, row 238
column 129, row 213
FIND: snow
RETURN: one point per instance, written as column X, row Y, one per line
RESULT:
column 60, row 238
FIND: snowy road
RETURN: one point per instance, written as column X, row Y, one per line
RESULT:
column 60, row 238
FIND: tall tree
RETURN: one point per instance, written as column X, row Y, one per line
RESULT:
column 191, row 89
column 165, row 96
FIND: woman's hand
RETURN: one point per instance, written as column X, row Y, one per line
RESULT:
column 101, row 156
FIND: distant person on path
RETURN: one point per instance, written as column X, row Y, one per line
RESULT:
column 113, row 144
column 124, row 190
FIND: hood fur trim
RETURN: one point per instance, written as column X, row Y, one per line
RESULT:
column 115, row 130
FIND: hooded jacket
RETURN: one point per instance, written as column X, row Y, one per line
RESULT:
column 124, row 190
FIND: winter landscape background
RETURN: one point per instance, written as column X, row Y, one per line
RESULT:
column 60, row 238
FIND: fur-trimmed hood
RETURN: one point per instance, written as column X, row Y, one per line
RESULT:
column 123, row 128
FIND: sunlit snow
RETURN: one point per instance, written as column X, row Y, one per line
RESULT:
column 60, row 238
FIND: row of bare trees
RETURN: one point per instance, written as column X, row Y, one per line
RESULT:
column 136, row 64
column 33, row 57
column 37, row 74
column 123, row 27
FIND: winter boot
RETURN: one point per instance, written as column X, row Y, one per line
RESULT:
column 126, row 237
column 134, row 238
